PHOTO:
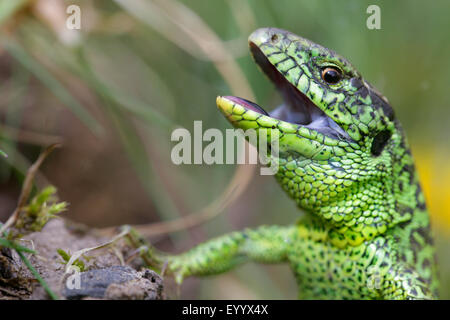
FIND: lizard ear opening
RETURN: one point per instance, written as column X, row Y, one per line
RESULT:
column 380, row 141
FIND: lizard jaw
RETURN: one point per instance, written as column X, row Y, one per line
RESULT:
column 297, row 109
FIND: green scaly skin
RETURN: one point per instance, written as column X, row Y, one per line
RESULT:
column 366, row 234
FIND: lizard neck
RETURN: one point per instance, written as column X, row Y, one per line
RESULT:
column 410, row 225
column 358, row 207
column 406, row 187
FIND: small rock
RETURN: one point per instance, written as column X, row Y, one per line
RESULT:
column 116, row 282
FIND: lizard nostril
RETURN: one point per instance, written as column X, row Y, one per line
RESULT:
column 274, row 38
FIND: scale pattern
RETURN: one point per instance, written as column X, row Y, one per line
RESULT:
column 366, row 234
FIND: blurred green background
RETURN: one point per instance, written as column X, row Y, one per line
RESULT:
column 113, row 92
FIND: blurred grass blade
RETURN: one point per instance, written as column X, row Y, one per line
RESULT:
column 131, row 140
column 179, row 24
column 138, row 108
column 38, row 277
column 8, row 8
column 11, row 244
column 52, row 83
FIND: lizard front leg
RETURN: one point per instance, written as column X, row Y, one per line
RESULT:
column 267, row 244
column 404, row 283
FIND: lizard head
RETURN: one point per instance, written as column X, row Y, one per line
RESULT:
column 336, row 132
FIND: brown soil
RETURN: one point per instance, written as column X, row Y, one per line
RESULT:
column 107, row 273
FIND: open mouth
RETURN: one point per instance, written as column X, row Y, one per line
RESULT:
column 297, row 108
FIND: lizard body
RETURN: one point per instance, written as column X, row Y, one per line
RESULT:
column 345, row 160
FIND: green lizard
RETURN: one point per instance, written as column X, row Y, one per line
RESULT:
column 345, row 160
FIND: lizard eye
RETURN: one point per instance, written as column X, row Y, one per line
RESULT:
column 331, row 75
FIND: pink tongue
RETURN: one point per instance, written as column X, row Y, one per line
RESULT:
column 247, row 104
